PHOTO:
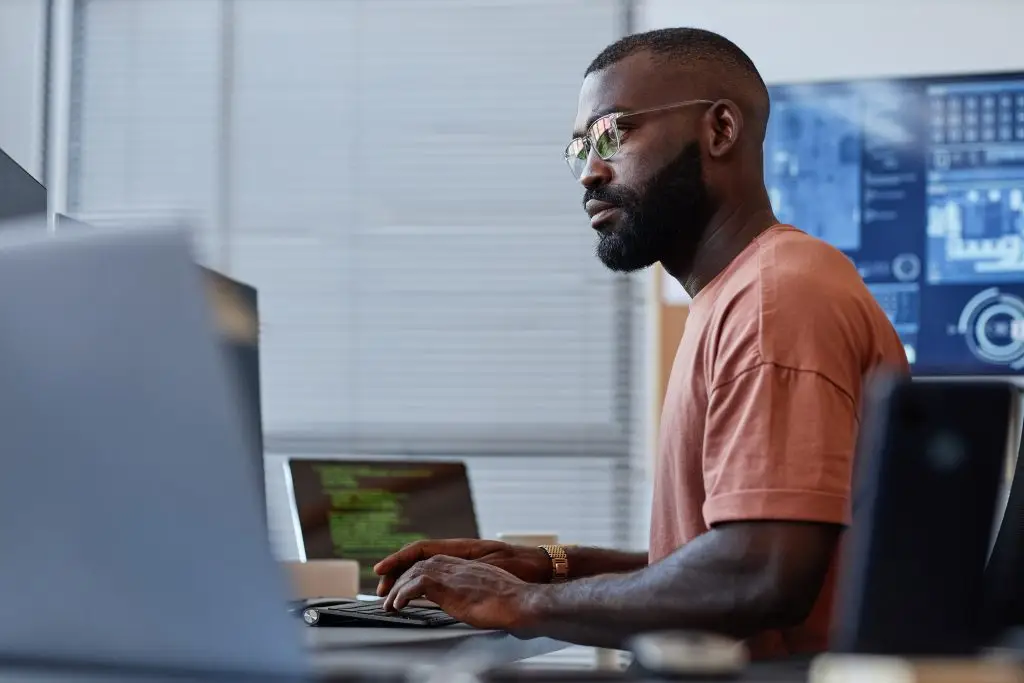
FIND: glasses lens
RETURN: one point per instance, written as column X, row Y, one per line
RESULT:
column 576, row 156
column 606, row 137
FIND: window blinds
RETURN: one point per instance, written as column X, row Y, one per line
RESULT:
column 388, row 173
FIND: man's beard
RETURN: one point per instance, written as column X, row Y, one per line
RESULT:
column 665, row 219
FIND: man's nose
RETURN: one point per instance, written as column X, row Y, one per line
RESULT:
column 596, row 173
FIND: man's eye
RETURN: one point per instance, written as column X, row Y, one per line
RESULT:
column 607, row 144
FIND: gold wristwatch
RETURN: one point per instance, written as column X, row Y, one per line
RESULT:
column 559, row 562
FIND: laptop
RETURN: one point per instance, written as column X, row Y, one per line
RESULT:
column 133, row 535
column 365, row 509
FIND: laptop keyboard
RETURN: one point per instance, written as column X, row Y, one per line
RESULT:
column 374, row 614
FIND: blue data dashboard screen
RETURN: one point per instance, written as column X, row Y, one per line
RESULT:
column 921, row 183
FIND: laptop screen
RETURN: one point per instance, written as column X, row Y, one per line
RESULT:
column 365, row 510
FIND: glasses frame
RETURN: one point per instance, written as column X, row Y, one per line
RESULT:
column 589, row 140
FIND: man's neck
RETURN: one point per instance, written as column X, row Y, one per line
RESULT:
column 730, row 231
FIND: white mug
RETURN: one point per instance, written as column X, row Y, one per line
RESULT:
column 324, row 579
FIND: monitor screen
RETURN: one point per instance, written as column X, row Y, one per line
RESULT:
column 920, row 182
column 365, row 510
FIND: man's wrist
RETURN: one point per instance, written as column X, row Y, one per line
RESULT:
column 572, row 554
column 534, row 605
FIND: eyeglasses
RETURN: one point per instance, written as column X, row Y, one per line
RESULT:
column 603, row 136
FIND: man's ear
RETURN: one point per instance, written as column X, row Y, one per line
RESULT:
column 723, row 123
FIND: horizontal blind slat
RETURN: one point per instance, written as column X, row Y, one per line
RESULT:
column 461, row 283
column 147, row 105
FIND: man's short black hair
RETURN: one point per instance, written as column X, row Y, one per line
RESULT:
column 690, row 45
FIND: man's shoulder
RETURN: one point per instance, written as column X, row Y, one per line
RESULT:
column 815, row 274
column 801, row 303
column 789, row 272
column 788, row 257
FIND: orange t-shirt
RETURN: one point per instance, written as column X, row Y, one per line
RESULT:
column 762, row 407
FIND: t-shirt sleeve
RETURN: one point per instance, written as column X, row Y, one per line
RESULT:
column 779, row 445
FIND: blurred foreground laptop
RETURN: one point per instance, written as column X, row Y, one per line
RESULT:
column 365, row 509
column 132, row 531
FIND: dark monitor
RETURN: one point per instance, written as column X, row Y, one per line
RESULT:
column 1004, row 573
column 366, row 509
column 20, row 193
column 236, row 311
column 920, row 181
column 930, row 457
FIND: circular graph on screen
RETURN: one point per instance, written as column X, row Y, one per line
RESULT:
column 906, row 267
column 992, row 323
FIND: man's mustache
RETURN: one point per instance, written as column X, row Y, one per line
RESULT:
column 617, row 198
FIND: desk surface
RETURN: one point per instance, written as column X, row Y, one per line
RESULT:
column 756, row 673
column 363, row 675
column 336, row 650
column 339, row 654
column 319, row 639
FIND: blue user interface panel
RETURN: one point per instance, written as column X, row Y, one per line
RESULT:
column 921, row 183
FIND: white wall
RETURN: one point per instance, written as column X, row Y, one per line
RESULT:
column 22, row 30
column 796, row 40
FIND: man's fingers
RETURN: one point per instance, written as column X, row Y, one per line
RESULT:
column 392, row 567
column 404, row 558
column 397, row 563
column 423, row 580
column 389, row 601
column 411, row 575
column 409, row 591
column 387, row 582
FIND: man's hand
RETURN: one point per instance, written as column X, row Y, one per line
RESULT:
column 475, row 593
column 528, row 564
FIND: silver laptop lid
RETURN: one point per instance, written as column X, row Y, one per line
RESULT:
column 129, row 521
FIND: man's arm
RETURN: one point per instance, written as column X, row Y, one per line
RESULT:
column 739, row 578
column 528, row 563
column 584, row 562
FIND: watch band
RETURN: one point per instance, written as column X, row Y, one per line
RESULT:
column 559, row 562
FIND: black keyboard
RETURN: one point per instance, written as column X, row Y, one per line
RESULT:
column 374, row 614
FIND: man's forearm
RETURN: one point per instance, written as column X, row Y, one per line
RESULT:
column 717, row 582
column 684, row 591
column 584, row 562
